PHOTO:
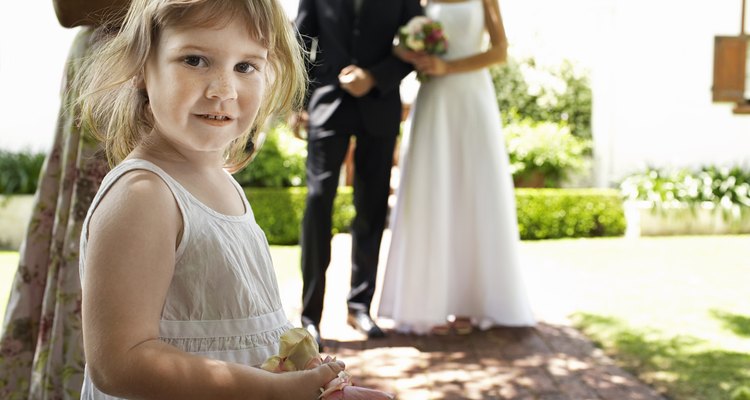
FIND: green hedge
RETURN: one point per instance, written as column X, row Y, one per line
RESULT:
column 569, row 213
column 542, row 213
column 279, row 211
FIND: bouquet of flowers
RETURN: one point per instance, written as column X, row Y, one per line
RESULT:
column 298, row 351
column 424, row 35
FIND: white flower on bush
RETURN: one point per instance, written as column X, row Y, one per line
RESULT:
column 546, row 144
column 543, row 84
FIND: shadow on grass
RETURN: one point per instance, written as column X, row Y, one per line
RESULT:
column 736, row 323
column 679, row 367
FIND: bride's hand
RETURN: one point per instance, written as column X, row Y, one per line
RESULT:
column 407, row 55
column 431, row 65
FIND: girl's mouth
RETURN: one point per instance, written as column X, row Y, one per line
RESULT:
column 215, row 117
column 218, row 120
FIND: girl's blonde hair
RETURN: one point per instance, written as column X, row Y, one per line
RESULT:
column 116, row 111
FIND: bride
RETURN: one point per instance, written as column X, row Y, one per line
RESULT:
column 453, row 260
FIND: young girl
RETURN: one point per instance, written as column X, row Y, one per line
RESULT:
column 180, row 299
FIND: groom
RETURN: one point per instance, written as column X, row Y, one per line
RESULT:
column 354, row 91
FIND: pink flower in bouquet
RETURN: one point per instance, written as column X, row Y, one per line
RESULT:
column 425, row 35
column 298, row 351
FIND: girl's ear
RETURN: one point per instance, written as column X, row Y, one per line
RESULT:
column 139, row 82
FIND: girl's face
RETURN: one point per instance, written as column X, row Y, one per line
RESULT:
column 205, row 85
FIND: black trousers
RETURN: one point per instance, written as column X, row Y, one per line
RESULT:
column 373, row 159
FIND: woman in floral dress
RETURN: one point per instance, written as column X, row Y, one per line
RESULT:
column 41, row 352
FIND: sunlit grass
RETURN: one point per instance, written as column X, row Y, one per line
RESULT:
column 675, row 311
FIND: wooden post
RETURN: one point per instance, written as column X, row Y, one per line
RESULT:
column 730, row 69
column 742, row 106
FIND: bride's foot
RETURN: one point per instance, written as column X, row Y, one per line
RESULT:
column 462, row 325
column 441, row 330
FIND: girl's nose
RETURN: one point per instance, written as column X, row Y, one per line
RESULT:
column 221, row 87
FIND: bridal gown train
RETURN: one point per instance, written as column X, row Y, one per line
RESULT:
column 454, row 242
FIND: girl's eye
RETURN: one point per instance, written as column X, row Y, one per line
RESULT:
column 245, row 68
column 193, row 61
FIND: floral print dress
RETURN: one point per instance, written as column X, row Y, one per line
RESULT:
column 41, row 349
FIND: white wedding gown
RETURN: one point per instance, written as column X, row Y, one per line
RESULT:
column 454, row 241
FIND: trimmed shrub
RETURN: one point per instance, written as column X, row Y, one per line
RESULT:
column 278, row 211
column 280, row 161
column 542, row 213
column 569, row 213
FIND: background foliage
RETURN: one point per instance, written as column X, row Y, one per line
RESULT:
column 19, row 172
column 280, row 162
column 545, row 149
column 546, row 116
column 279, row 212
column 728, row 188
column 559, row 94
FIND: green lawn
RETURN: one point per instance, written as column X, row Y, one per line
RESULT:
column 674, row 311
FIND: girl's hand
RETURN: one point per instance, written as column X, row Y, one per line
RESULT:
column 326, row 372
column 431, row 65
column 307, row 384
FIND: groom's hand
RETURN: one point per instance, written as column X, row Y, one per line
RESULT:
column 298, row 122
column 356, row 81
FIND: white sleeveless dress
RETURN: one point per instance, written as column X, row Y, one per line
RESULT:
column 223, row 302
column 454, row 241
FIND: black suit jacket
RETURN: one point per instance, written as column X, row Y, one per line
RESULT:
column 340, row 39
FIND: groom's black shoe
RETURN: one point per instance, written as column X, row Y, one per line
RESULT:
column 315, row 332
column 361, row 321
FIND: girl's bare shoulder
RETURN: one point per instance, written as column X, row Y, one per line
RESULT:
column 138, row 200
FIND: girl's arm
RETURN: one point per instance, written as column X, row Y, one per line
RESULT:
column 496, row 54
column 129, row 266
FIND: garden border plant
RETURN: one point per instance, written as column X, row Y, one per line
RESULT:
column 544, row 154
column 724, row 189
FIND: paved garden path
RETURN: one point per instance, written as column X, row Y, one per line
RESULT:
column 547, row 362
column 550, row 361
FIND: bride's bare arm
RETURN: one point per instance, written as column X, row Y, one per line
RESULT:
column 496, row 54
